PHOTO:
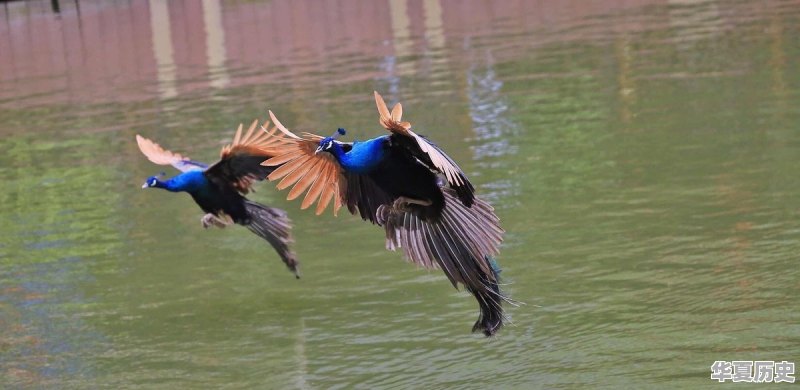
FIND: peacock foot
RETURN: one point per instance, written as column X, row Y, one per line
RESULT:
column 402, row 203
column 382, row 215
column 210, row 219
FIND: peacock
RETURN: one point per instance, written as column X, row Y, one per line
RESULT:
column 220, row 189
column 406, row 184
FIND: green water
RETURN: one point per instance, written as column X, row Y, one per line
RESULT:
column 643, row 160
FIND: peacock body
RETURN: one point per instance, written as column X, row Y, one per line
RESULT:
column 410, row 187
column 220, row 189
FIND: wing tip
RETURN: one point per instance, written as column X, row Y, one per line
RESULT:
column 141, row 141
column 390, row 120
column 383, row 111
column 278, row 123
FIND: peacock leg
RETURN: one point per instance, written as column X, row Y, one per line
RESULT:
column 401, row 202
column 207, row 220
column 210, row 219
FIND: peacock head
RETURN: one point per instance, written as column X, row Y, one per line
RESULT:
column 153, row 181
column 327, row 143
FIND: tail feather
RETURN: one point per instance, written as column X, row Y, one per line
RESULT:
column 273, row 225
column 462, row 243
column 490, row 300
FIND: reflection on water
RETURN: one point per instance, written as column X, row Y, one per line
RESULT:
column 162, row 49
column 640, row 154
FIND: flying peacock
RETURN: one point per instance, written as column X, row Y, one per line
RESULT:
column 219, row 189
column 394, row 181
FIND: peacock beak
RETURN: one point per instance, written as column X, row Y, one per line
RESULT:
column 319, row 149
column 144, row 185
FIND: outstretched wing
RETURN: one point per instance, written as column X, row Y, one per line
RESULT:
column 318, row 175
column 156, row 154
column 240, row 162
column 424, row 150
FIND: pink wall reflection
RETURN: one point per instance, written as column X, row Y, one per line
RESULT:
column 100, row 51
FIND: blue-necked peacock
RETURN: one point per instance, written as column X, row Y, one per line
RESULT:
column 219, row 189
column 394, row 181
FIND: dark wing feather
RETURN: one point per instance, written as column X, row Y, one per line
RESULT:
column 476, row 228
column 158, row 155
column 273, row 225
column 424, row 150
column 362, row 195
column 463, row 243
column 240, row 162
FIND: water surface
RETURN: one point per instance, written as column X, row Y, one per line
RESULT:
column 642, row 156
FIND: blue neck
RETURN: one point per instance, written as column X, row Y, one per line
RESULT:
column 192, row 181
column 363, row 157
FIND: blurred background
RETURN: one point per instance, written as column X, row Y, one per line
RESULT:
column 642, row 154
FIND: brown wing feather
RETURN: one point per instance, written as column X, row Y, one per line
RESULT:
column 315, row 190
column 260, row 143
column 240, row 161
column 304, row 182
column 158, row 155
column 392, row 122
column 319, row 175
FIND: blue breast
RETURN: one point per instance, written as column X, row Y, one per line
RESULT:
column 364, row 156
column 192, row 181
